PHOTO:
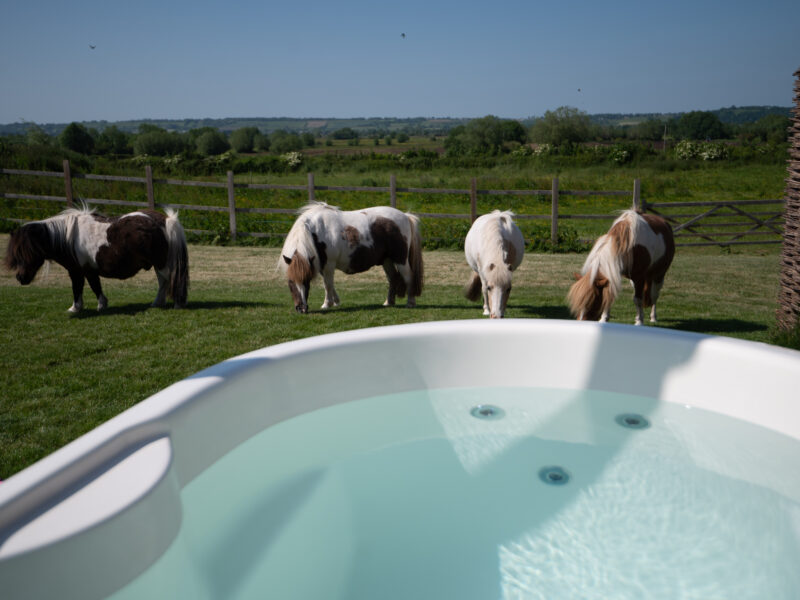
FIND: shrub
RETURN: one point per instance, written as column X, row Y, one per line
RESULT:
column 212, row 143
column 243, row 139
column 77, row 138
column 158, row 143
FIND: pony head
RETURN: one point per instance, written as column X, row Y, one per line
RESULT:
column 498, row 288
column 27, row 251
column 590, row 296
column 300, row 272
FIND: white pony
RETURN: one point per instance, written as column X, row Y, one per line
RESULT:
column 325, row 238
column 494, row 248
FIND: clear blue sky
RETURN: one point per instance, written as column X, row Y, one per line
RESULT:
column 509, row 58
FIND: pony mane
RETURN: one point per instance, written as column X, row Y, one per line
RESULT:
column 496, row 248
column 608, row 252
column 300, row 240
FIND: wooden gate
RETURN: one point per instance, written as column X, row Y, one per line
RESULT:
column 723, row 223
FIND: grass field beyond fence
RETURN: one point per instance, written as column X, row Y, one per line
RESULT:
column 62, row 375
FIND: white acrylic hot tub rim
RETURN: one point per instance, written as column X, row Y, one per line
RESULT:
column 124, row 477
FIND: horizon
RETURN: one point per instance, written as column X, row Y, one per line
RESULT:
column 95, row 61
column 357, row 118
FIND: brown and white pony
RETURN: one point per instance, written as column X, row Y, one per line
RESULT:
column 325, row 238
column 494, row 248
column 90, row 246
column 638, row 247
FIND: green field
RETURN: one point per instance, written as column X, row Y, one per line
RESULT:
column 665, row 181
column 62, row 375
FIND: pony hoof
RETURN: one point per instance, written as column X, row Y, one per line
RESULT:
column 73, row 310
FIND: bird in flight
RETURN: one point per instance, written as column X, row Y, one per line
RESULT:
column 402, row 35
column 92, row 47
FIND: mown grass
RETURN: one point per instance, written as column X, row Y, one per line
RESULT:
column 62, row 375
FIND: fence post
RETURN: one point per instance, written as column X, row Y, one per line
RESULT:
column 151, row 197
column 637, row 192
column 231, row 206
column 311, row 187
column 473, row 199
column 68, row 183
column 393, row 190
column 554, row 213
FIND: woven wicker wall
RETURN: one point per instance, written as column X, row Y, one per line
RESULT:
column 789, row 297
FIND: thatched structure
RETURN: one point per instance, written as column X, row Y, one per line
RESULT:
column 789, row 297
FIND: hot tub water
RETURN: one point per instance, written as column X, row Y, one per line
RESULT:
column 420, row 495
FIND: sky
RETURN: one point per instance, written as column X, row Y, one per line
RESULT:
column 176, row 59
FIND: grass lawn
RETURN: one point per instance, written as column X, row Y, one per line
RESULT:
column 62, row 375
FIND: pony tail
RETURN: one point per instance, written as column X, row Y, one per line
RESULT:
column 472, row 290
column 415, row 257
column 177, row 259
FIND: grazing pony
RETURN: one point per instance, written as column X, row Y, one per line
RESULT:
column 90, row 246
column 494, row 249
column 639, row 247
column 325, row 238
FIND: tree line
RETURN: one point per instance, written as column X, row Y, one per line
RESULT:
column 564, row 136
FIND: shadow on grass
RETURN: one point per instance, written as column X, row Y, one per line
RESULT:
column 713, row 325
column 554, row 311
column 134, row 309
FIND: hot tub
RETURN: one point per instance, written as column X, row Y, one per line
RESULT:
column 460, row 459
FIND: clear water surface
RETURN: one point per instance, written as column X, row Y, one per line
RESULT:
column 411, row 496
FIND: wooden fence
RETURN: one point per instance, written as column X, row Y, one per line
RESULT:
column 688, row 228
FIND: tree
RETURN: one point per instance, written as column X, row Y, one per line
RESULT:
column 77, row 138
column 36, row 136
column 113, row 141
column 565, row 125
column 309, row 141
column 243, row 139
column 212, row 143
column 701, row 125
column 345, row 133
column 484, row 136
column 158, row 142
column 261, row 142
column 651, row 130
column 282, row 141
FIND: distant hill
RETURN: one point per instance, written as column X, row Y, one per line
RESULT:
column 735, row 115
column 318, row 125
column 377, row 125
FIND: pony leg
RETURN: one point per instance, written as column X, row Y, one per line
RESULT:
column 161, row 295
column 638, row 302
column 655, row 291
column 94, row 283
column 77, row 291
column 401, row 280
column 485, row 292
column 331, row 297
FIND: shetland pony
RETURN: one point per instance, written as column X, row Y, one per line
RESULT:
column 325, row 238
column 90, row 246
column 494, row 249
column 638, row 247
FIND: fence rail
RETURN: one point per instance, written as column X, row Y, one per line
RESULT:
column 690, row 226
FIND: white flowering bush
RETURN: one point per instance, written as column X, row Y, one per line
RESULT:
column 172, row 161
column 523, row 150
column 714, row 151
column 543, row 150
column 292, row 159
column 619, row 155
column 221, row 159
column 686, row 149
